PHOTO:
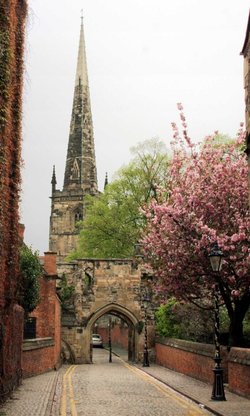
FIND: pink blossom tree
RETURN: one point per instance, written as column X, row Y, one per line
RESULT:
column 206, row 202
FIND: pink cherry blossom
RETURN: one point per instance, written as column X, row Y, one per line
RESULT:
column 207, row 202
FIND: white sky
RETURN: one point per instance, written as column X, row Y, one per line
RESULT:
column 143, row 57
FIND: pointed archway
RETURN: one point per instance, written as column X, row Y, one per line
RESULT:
column 124, row 314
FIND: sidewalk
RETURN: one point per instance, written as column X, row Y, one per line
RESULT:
column 200, row 392
column 35, row 397
column 195, row 390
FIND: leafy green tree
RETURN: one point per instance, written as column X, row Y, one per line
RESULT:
column 185, row 321
column 113, row 221
column 31, row 271
column 167, row 324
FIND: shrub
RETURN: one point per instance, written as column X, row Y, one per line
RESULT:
column 31, row 271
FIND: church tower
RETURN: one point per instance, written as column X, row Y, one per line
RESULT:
column 80, row 177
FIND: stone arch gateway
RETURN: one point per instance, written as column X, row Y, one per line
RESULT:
column 101, row 287
column 127, row 316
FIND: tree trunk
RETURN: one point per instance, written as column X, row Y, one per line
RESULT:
column 236, row 338
column 241, row 306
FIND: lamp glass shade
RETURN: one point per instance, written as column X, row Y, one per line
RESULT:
column 216, row 262
column 215, row 258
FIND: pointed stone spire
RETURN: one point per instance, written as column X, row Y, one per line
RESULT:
column 80, row 170
column 81, row 70
column 53, row 180
column 106, row 180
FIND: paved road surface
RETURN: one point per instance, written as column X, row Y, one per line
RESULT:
column 119, row 389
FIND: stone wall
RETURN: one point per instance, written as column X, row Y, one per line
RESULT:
column 103, row 286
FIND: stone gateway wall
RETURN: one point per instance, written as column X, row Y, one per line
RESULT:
column 104, row 286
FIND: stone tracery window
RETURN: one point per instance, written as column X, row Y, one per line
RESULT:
column 75, row 170
column 78, row 216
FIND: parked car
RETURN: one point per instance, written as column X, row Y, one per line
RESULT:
column 97, row 340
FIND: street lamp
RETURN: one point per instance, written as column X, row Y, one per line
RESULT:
column 110, row 342
column 215, row 257
column 146, row 301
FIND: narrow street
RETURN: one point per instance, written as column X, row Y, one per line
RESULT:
column 118, row 388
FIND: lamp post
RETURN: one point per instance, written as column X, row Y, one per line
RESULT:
column 146, row 300
column 215, row 257
column 110, row 341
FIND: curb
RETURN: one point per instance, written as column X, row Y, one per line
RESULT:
column 48, row 410
column 184, row 394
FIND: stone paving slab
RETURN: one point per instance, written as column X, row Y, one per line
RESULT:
column 34, row 397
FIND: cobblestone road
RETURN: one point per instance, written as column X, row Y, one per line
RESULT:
column 118, row 389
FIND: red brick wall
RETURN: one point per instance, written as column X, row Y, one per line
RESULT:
column 119, row 336
column 196, row 360
column 10, row 349
column 48, row 322
column 190, row 358
column 38, row 361
column 57, row 334
column 239, row 371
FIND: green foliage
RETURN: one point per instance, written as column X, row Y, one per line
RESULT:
column 31, row 271
column 66, row 291
column 184, row 321
column 220, row 140
column 167, row 324
column 113, row 221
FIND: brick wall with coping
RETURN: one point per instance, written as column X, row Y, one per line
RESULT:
column 196, row 360
column 43, row 353
column 119, row 336
column 239, row 371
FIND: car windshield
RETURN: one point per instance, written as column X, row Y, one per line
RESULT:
column 96, row 336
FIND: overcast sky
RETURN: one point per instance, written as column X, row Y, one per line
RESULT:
column 143, row 57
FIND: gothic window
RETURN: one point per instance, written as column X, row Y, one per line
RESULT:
column 88, row 280
column 75, row 170
column 78, row 216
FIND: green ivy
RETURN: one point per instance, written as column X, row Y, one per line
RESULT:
column 31, row 271
column 65, row 291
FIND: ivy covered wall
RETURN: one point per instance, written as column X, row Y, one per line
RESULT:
column 12, row 26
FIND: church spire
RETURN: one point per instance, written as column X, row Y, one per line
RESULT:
column 106, row 182
column 80, row 170
column 81, row 70
column 53, row 180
